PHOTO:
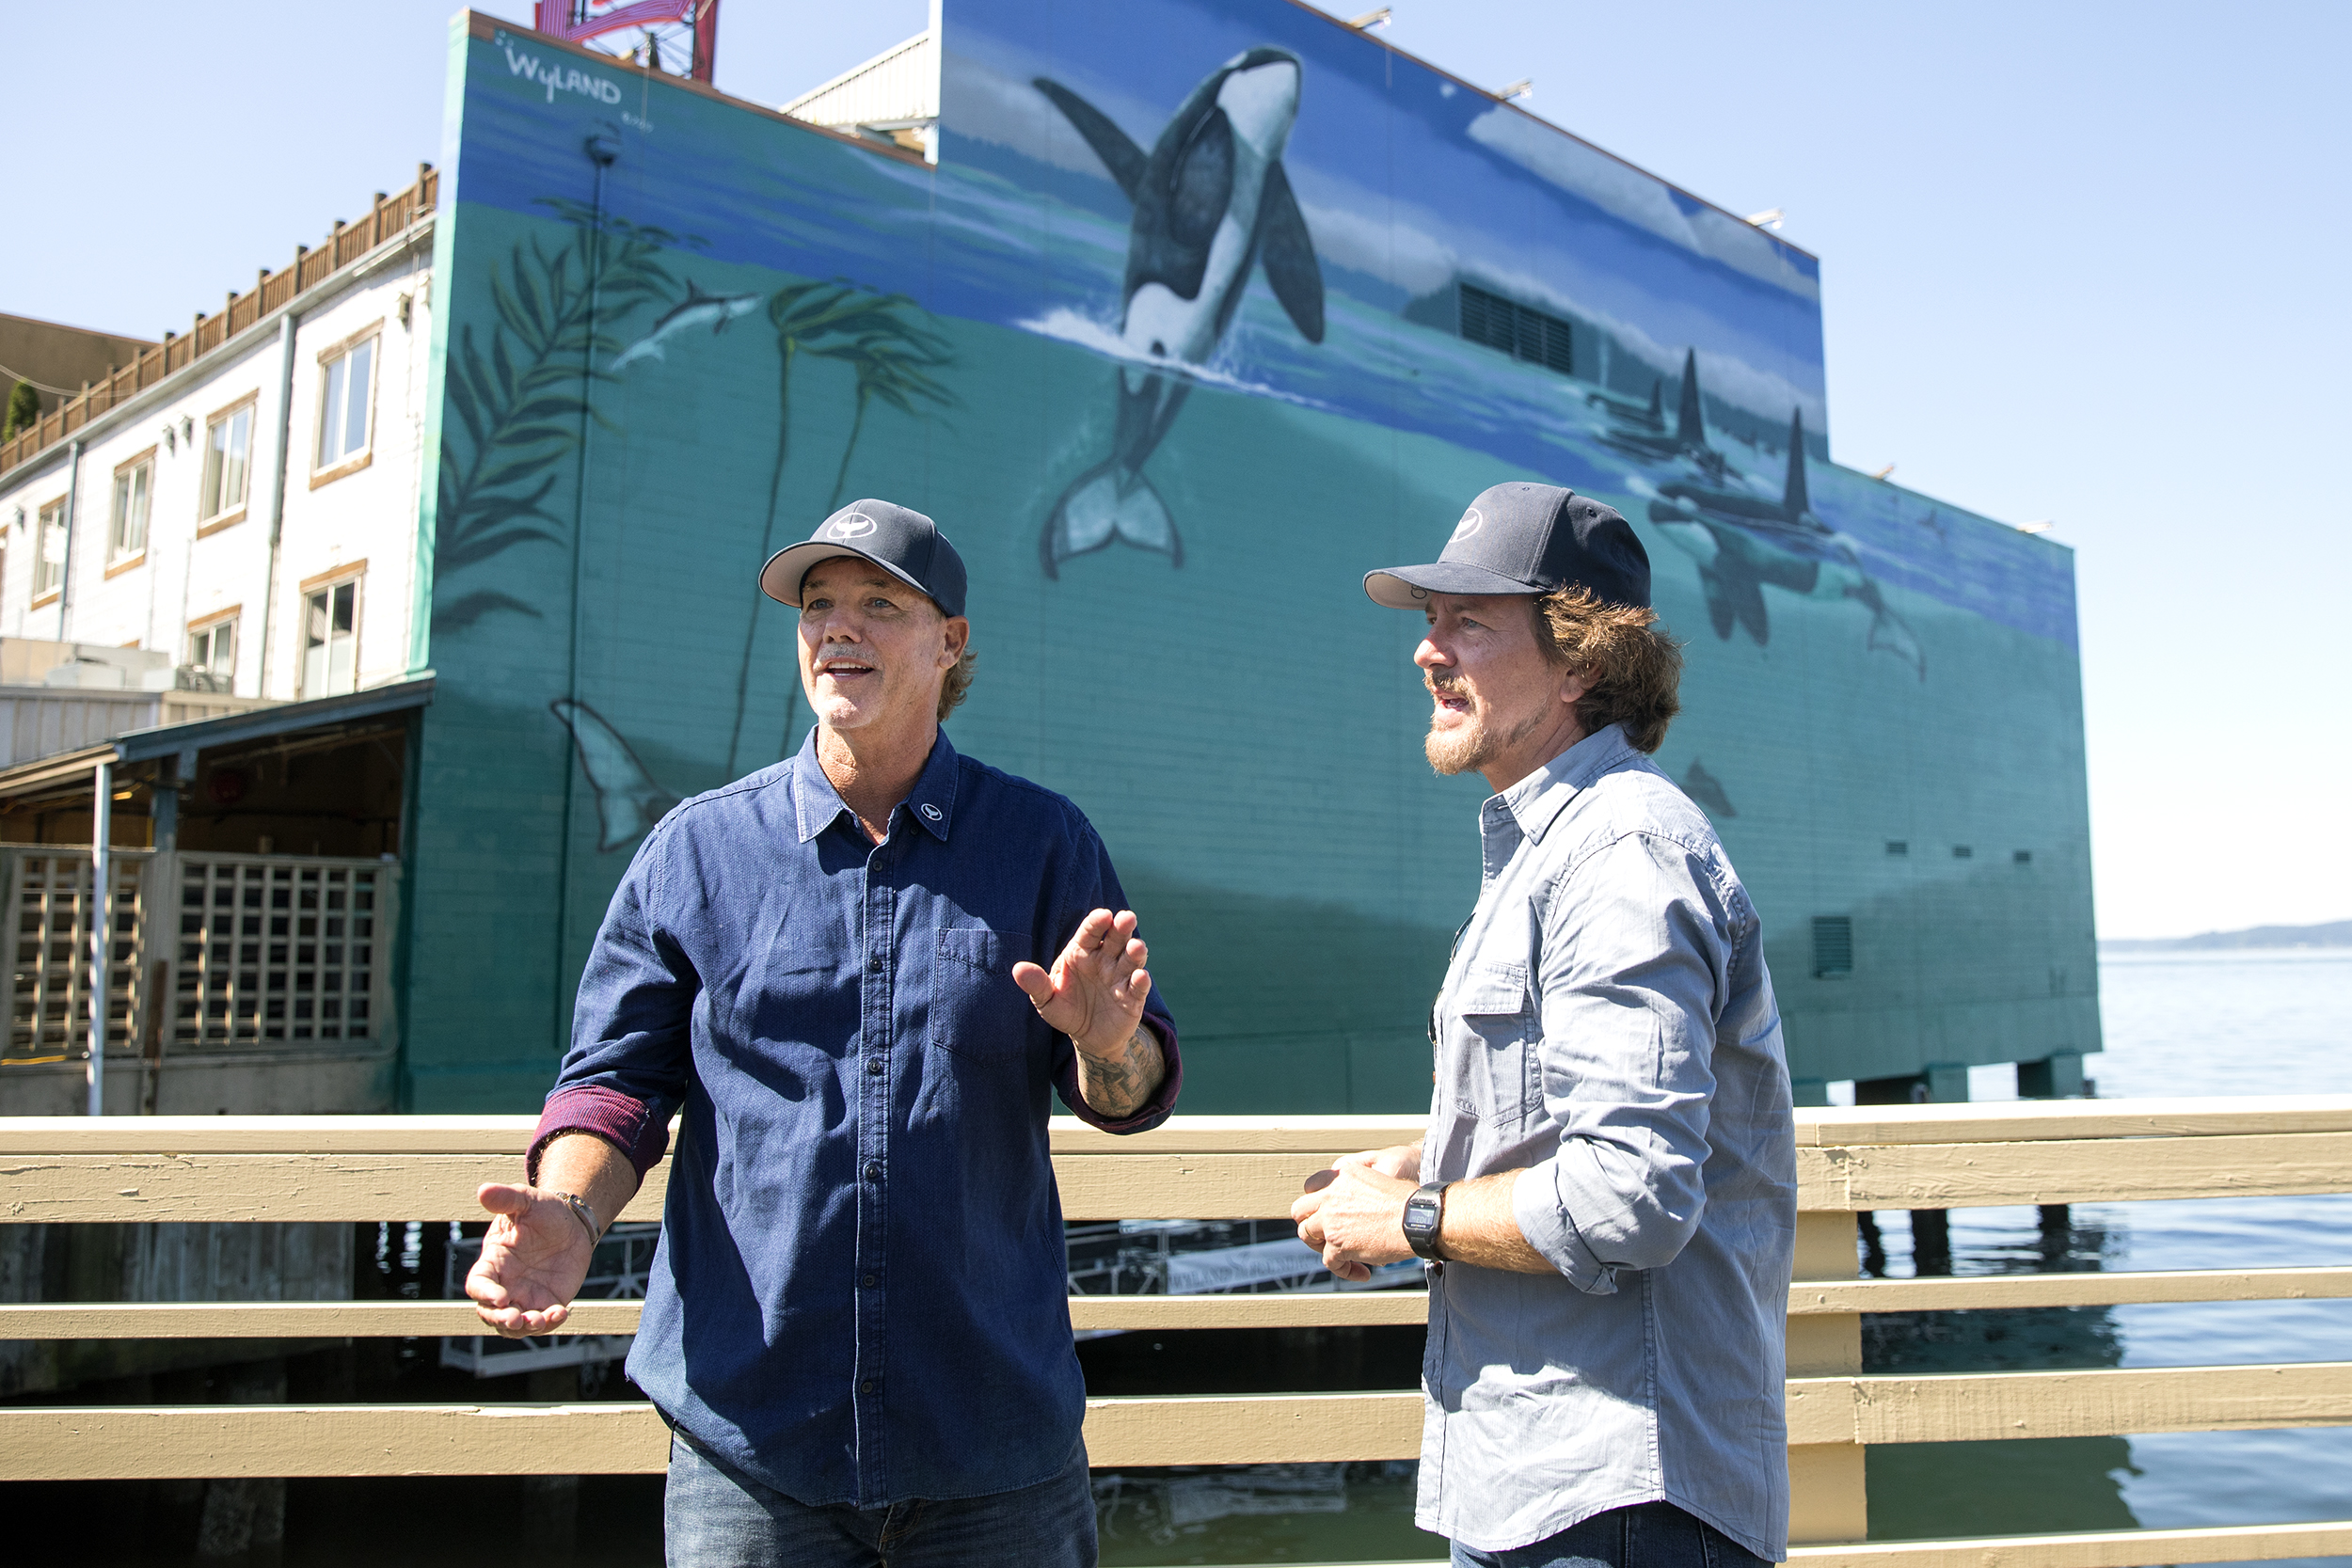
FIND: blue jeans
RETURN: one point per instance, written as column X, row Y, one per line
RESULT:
column 1648, row 1535
column 715, row 1516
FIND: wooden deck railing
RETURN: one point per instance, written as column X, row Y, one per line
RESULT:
column 349, row 1169
column 387, row 216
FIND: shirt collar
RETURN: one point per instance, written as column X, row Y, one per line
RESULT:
column 1538, row 800
column 817, row 805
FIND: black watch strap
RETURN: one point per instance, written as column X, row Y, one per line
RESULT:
column 1424, row 1213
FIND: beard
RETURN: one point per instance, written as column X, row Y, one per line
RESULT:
column 1468, row 748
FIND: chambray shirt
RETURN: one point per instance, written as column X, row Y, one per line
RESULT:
column 860, row 1294
column 1606, row 1029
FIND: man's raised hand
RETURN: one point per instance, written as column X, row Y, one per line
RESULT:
column 1096, row 991
column 534, row 1260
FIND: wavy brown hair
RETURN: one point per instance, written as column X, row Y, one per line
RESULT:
column 1635, row 668
column 958, row 681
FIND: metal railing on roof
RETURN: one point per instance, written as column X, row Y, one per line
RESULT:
column 388, row 217
column 356, row 1168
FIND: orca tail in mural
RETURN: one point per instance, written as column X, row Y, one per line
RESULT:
column 1889, row 632
column 628, row 803
column 1708, row 790
column 1108, row 502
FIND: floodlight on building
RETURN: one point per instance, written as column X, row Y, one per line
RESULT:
column 2045, row 526
column 1371, row 21
column 1883, row 472
column 1768, row 218
column 1523, row 88
column 171, row 436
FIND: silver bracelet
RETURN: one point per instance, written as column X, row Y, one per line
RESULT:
column 583, row 1213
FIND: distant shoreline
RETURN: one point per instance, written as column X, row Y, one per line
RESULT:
column 2333, row 933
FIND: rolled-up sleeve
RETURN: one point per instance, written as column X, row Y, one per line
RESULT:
column 631, row 1049
column 1635, row 949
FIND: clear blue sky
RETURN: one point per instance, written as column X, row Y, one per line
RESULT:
column 2081, row 261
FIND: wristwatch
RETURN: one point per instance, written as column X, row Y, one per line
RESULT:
column 1425, row 1212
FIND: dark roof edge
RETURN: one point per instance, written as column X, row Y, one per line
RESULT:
column 166, row 739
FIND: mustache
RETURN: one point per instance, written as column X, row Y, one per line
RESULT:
column 1452, row 688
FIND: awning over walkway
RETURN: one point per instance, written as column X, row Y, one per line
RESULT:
column 321, row 714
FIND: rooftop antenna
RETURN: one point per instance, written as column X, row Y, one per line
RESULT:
column 1371, row 22
column 689, row 28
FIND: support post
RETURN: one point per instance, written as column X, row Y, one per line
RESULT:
column 101, row 826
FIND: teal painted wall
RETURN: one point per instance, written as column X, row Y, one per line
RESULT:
column 1244, row 726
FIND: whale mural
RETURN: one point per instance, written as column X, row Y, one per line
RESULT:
column 1210, row 203
column 1744, row 542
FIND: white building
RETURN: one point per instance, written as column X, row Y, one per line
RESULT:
column 244, row 500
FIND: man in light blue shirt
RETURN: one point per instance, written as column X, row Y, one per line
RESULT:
column 1606, row 1195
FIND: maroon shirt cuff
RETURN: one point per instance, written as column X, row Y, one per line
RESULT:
column 627, row 1123
column 1153, row 1111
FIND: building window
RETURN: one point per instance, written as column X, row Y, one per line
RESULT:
column 213, row 649
column 347, row 400
column 1833, row 945
column 1526, row 334
column 228, row 447
column 134, row 485
column 330, row 638
column 49, row 553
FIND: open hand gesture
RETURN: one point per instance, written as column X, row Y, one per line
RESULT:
column 534, row 1260
column 1094, row 993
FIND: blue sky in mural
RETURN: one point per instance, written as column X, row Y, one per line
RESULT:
column 2077, row 262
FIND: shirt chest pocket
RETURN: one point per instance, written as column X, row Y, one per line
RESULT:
column 1499, row 1016
column 977, row 1012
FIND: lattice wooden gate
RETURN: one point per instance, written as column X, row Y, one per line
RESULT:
column 272, row 949
column 49, row 904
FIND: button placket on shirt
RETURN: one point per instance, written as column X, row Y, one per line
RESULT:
column 879, row 901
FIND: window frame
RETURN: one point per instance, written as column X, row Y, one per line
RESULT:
column 227, row 515
column 350, row 462
column 44, row 518
column 210, row 623
column 352, row 572
column 118, row 559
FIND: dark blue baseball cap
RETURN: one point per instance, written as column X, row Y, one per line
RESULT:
column 901, row 542
column 1526, row 539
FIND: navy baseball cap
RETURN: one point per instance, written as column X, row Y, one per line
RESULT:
column 901, row 542
column 1526, row 539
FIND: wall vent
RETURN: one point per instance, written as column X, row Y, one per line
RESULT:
column 2022, row 857
column 1899, row 846
column 1526, row 334
column 1961, row 853
column 1833, row 945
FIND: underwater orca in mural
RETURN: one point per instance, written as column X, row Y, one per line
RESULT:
column 1210, row 203
column 1643, row 432
column 697, row 309
column 1744, row 544
column 628, row 803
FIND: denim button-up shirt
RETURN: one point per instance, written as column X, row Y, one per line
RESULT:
column 860, row 1295
column 1608, row 1030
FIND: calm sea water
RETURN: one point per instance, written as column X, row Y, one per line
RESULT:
column 2202, row 1025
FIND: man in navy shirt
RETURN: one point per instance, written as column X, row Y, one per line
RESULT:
column 835, row 971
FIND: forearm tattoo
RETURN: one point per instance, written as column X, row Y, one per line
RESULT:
column 1116, row 1085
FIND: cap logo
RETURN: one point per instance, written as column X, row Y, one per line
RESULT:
column 1467, row 525
column 857, row 525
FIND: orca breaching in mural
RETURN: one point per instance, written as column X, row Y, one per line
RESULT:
column 1744, row 542
column 1211, row 202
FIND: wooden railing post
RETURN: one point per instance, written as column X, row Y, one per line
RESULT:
column 1827, row 1496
